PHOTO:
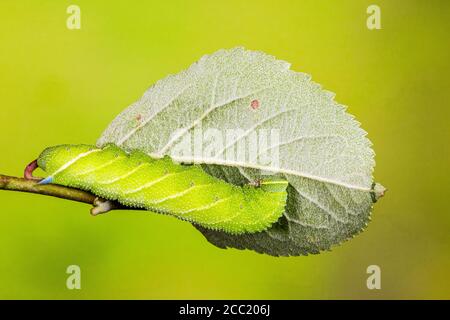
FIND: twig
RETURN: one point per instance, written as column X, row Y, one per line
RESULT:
column 53, row 190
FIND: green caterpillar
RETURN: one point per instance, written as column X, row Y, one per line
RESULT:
column 185, row 191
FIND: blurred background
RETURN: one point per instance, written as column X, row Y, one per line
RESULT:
column 64, row 86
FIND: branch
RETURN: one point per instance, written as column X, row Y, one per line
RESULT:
column 53, row 190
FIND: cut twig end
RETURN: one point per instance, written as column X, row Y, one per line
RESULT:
column 101, row 206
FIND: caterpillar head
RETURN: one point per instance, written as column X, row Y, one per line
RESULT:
column 54, row 158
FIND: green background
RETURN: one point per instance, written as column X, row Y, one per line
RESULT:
column 65, row 86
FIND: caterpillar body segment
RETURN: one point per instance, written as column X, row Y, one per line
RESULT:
column 160, row 185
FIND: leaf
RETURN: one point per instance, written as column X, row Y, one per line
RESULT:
column 321, row 150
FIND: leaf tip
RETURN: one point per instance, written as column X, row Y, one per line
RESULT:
column 378, row 191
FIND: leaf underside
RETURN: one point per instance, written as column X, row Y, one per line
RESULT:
column 322, row 151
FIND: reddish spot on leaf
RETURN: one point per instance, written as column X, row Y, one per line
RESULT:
column 254, row 104
column 137, row 120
